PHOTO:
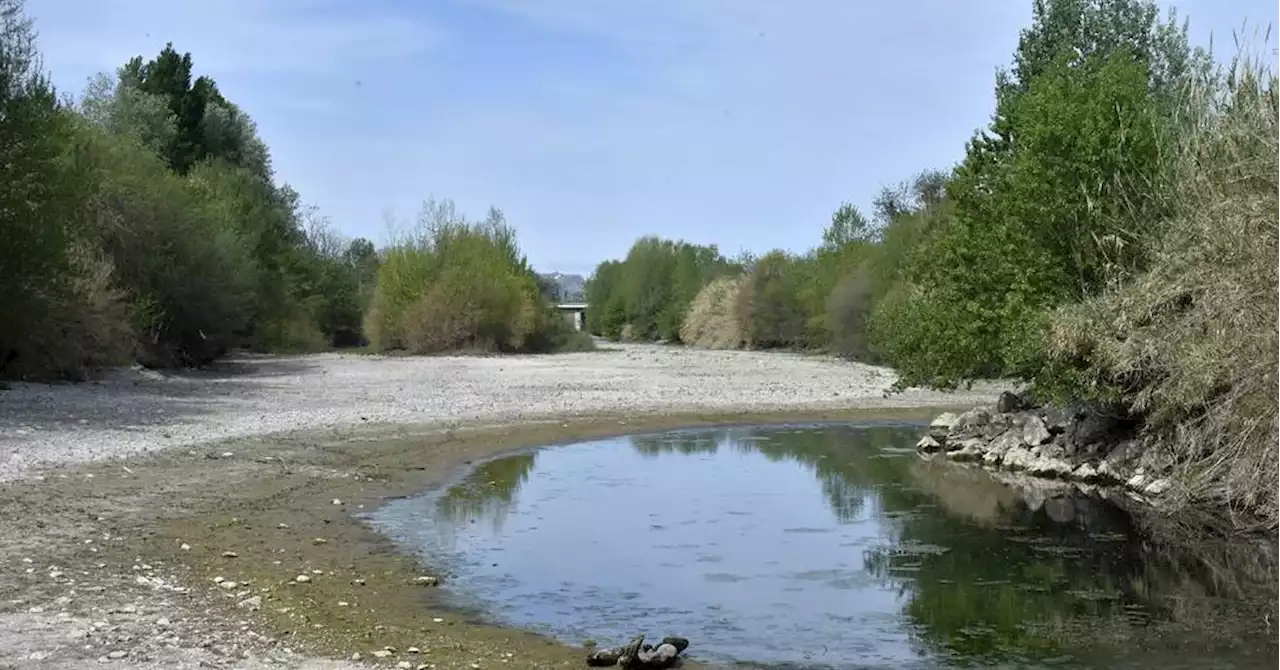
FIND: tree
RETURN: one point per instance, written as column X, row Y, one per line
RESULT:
column 1048, row 192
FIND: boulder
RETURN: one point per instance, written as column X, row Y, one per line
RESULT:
column 1009, row 402
column 944, row 421
column 1085, row 473
column 928, row 445
column 1034, row 431
column 1001, row 445
column 972, row 449
column 1018, row 458
column 973, row 423
column 1048, row 466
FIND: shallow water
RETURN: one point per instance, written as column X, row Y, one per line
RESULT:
column 820, row 546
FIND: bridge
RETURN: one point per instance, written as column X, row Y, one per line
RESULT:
column 576, row 312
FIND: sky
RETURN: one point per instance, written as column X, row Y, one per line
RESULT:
column 740, row 123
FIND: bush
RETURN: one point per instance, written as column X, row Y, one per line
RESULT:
column 1191, row 345
column 650, row 290
column 1050, row 197
column 459, row 285
column 712, row 321
column 848, row 311
column 769, row 305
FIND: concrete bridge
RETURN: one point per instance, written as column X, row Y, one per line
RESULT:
column 576, row 312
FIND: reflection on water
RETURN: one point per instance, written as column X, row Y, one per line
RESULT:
column 832, row 546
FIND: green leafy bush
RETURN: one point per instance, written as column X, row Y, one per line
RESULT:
column 459, row 285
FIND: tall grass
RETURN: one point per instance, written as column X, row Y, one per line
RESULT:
column 1191, row 344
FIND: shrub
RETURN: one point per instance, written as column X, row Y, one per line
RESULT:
column 650, row 290
column 713, row 319
column 1191, row 345
column 848, row 310
column 769, row 304
column 459, row 285
column 1050, row 196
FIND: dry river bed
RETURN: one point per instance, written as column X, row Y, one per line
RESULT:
column 209, row 519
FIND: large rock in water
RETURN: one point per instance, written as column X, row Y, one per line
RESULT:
column 1034, row 432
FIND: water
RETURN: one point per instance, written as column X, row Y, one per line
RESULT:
column 829, row 546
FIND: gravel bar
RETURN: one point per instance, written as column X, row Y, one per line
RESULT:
column 132, row 411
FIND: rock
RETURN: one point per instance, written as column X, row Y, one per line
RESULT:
column 1009, row 402
column 1053, row 450
column 1085, row 473
column 381, row 653
column 972, row 449
column 230, row 554
column 1124, row 454
column 972, row 422
column 1034, row 432
column 117, row 654
column 426, row 580
column 638, row 655
column 404, row 665
column 1018, row 458
column 1138, row 481
column 1047, row 466
column 1001, row 445
column 945, row 421
column 1156, row 487
column 1094, row 426
column 253, row 603
column 228, row 584
column 302, row 579
column 928, row 445
column 1057, row 419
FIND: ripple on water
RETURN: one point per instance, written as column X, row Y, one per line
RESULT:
column 817, row 546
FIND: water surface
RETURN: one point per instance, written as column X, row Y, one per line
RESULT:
column 831, row 545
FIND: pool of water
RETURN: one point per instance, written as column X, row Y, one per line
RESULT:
column 829, row 546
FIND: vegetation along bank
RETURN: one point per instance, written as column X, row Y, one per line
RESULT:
column 1108, row 242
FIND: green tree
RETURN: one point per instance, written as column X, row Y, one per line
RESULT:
column 1045, row 198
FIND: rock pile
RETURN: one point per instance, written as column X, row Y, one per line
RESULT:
column 1077, row 443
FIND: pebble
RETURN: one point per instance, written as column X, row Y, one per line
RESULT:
column 404, row 665
column 302, row 579
column 230, row 554
column 117, row 654
column 381, row 653
column 185, row 547
column 336, row 501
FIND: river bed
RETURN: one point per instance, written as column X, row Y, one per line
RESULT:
column 825, row 546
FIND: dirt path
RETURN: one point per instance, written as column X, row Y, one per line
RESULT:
column 164, row 521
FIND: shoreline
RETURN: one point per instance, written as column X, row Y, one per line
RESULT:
column 234, row 498
column 96, row 528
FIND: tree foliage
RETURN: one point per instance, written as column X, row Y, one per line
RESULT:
column 651, row 289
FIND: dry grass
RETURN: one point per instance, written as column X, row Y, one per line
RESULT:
column 1192, row 343
column 712, row 321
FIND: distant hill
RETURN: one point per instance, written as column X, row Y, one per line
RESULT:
column 571, row 287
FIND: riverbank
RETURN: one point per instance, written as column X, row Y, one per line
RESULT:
column 164, row 521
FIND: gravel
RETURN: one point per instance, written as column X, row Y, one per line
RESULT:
column 134, row 410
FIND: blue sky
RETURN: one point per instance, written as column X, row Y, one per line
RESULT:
column 741, row 123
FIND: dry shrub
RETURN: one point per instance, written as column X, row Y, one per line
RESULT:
column 1191, row 345
column 847, row 315
column 712, row 321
